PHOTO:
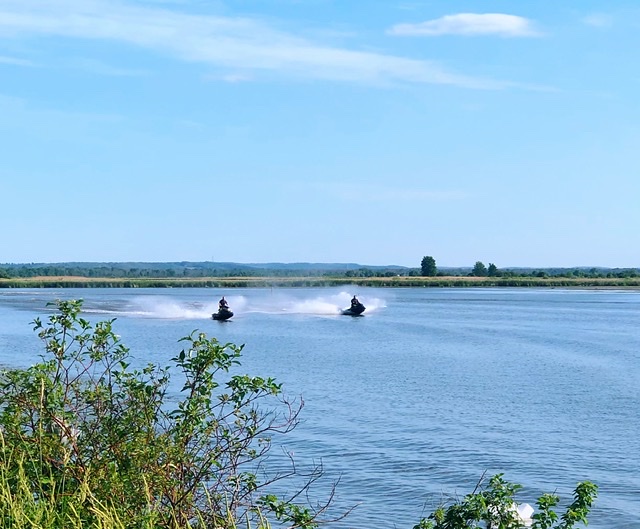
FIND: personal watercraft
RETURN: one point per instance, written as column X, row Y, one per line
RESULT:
column 356, row 309
column 223, row 314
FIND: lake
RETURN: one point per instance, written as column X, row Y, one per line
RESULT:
column 415, row 400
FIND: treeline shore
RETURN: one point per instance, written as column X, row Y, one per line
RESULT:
column 270, row 282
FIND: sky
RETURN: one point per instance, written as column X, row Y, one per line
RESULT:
column 363, row 131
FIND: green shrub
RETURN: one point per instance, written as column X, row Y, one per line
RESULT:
column 494, row 507
column 84, row 433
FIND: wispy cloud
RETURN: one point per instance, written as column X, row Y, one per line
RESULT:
column 14, row 61
column 236, row 78
column 19, row 114
column 469, row 24
column 8, row 102
column 100, row 68
column 373, row 193
column 598, row 20
column 234, row 43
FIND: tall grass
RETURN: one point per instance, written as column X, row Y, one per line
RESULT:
column 34, row 503
column 37, row 503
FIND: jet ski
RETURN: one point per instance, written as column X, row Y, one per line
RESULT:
column 356, row 309
column 223, row 314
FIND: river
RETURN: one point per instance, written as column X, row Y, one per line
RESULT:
column 418, row 398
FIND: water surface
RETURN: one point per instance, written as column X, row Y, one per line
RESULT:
column 418, row 398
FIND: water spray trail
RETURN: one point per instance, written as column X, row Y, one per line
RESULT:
column 161, row 307
column 165, row 308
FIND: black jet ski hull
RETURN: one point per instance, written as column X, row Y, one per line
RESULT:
column 222, row 315
column 355, row 310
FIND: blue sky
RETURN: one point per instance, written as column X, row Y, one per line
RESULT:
column 373, row 131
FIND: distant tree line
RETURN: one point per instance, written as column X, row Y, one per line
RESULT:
column 186, row 270
column 428, row 268
column 118, row 272
column 135, row 272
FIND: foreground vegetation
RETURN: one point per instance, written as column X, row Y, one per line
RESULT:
column 88, row 441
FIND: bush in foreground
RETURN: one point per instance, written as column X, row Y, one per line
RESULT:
column 493, row 506
column 84, row 433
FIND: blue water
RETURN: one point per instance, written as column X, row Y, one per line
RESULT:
column 417, row 399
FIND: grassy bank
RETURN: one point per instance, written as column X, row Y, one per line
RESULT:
column 268, row 282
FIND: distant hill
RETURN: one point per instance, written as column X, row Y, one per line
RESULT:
column 207, row 265
column 323, row 266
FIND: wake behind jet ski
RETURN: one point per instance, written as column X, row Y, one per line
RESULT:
column 356, row 308
column 224, row 312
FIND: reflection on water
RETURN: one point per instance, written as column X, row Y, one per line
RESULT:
column 422, row 395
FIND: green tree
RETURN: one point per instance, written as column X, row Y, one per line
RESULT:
column 428, row 266
column 492, row 271
column 479, row 270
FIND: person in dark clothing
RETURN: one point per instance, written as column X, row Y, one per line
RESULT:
column 222, row 304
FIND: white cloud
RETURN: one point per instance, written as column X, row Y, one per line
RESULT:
column 101, row 68
column 469, row 24
column 8, row 102
column 236, row 78
column 598, row 20
column 374, row 193
column 243, row 44
column 14, row 61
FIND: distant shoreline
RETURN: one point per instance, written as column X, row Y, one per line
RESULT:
column 290, row 282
